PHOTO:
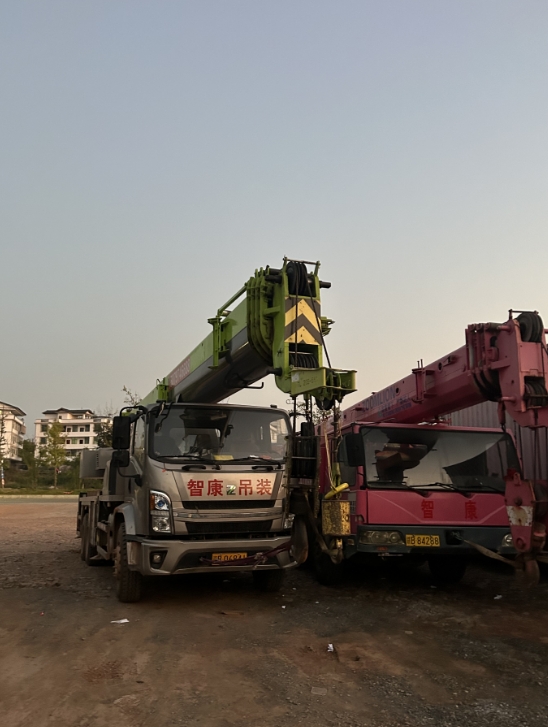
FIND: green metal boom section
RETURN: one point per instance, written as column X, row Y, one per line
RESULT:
column 280, row 312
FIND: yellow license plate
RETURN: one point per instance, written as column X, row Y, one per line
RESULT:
column 223, row 557
column 423, row 541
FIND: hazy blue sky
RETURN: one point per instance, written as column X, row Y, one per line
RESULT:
column 153, row 154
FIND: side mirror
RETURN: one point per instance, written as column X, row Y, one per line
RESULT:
column 355, row 450
column 120, row 458
column 121, row 433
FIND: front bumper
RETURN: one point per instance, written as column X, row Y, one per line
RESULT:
column 451, row 540
column 183, row 556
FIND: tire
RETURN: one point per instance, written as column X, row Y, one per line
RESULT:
column 87, row 550
column 129, row 583
column 447, row 569
column 269, row 581
column 299, row 541
column 327, row 572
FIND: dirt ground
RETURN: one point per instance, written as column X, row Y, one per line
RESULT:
column 211, row 651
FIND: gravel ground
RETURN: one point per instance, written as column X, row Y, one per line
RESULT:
column 211, row 651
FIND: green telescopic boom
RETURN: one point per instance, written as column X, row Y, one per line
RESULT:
column 276, row 327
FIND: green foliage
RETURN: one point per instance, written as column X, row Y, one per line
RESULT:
column 53, row 452
column 68, row 480
column 104, row 434
column 28, row 455
column 304, row 411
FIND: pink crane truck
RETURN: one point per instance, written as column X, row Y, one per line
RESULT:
column 421, row 488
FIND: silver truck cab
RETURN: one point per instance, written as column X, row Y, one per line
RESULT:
column 190, row 488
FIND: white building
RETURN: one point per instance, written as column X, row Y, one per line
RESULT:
column 12, row 431
column 79, row 428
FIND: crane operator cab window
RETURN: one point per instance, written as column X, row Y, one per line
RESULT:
column 465, row 461
column 215, row 434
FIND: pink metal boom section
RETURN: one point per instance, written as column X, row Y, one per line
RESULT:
column 499, row 362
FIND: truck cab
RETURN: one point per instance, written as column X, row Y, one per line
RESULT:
column 428, row 491
column 190, row 488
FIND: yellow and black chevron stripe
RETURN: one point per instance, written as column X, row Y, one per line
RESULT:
column 301, row 321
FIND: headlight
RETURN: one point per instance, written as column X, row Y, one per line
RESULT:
column 288, row 521
column 159, row 501
column 507, row 541
column 380, row 537
column 161, row 524
column 160, row 512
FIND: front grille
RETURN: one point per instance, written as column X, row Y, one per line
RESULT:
column 228, row 504
column 263, row 526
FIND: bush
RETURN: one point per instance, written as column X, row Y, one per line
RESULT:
column 67, row 479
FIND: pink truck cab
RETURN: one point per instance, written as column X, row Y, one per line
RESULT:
column 428, row 491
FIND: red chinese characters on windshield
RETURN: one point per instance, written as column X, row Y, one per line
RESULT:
column 243, row 487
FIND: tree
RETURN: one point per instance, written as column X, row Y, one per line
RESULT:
column 305, row 411
column 104, row 434
column 131, row 398
column 104, row 429
column 53, row 452
column 28, row 455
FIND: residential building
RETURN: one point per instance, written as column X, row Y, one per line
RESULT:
column 12, row 431
column 79, row 428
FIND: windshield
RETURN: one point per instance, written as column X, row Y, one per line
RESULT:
column 215, row 434
column 447, row 460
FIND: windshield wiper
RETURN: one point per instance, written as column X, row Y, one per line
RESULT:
column 444, row 486
column 196, row 466
column 187, row 455
column 196, row 458
column 258, row 458
column 395, row 485
column 480, row 487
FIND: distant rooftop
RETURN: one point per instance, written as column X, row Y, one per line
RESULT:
column 69, row 411
column 14, row 409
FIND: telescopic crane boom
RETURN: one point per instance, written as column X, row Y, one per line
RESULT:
column 507, row 363
column 276, row 328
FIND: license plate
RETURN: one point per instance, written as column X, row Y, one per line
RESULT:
column 423, row 541
column 223, row 557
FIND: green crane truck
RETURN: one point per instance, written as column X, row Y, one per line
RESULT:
column 191, row 484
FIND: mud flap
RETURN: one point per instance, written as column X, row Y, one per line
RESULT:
column 133, row 553
column 299, row 540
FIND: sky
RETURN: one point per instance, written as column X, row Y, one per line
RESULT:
column 154, row 154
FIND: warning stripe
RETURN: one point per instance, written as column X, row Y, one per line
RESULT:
column 303, row 308
column 306, row 331
column 301, row 321
column 290, row 302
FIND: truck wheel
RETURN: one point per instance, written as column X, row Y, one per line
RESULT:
column 447, row 569
column 87, row 550
column 327, row 572
column 129, row 583
column 269, row 581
